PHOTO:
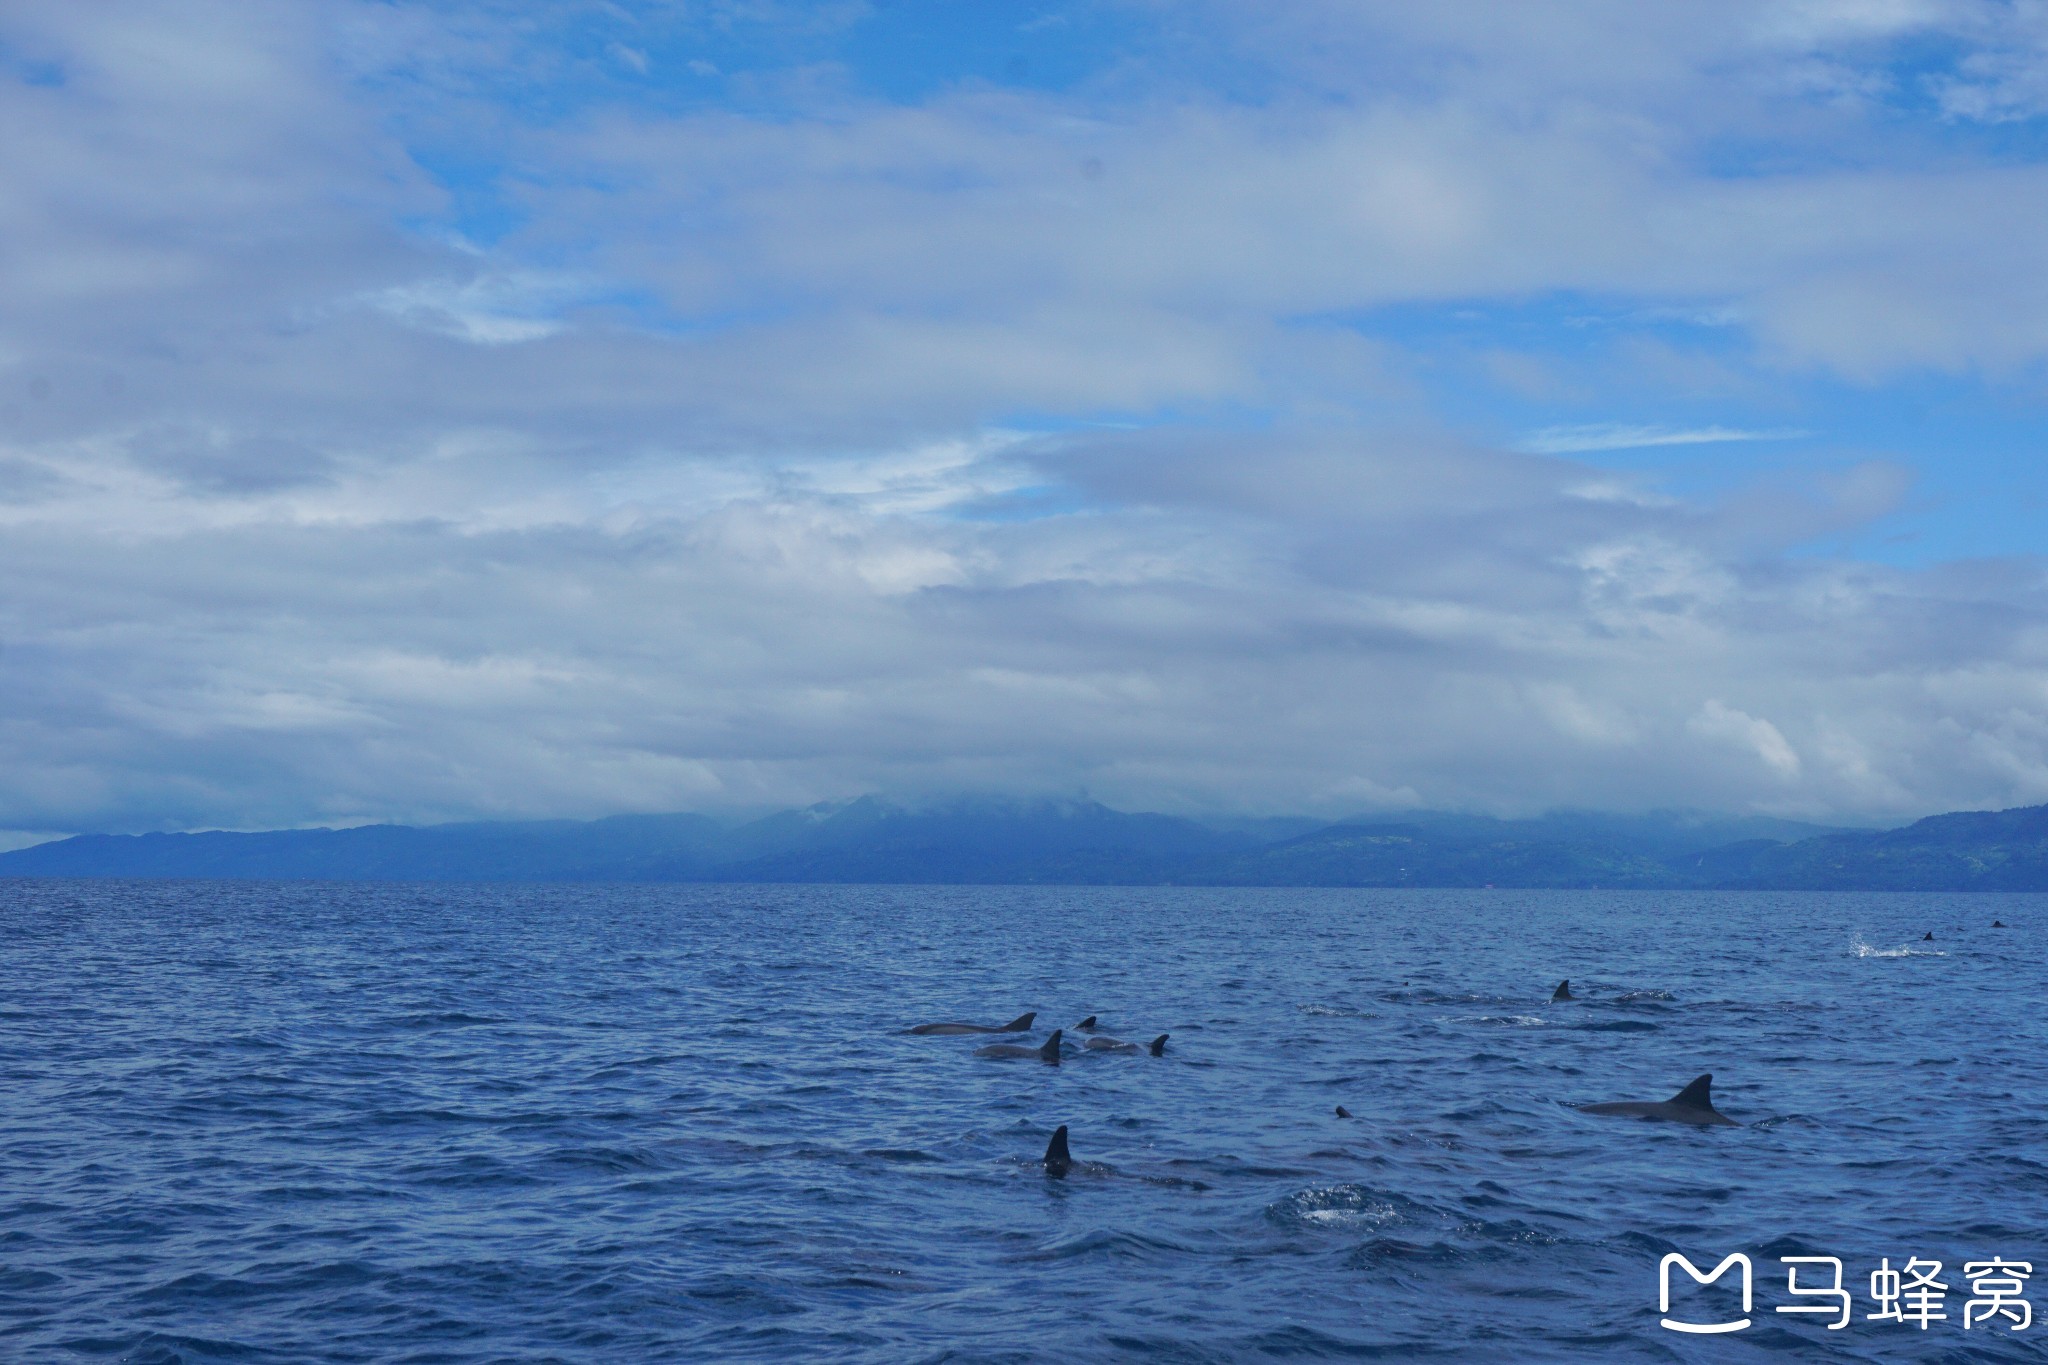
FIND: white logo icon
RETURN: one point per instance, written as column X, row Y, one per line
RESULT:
column 1664, row 1291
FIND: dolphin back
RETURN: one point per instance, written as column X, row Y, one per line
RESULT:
column 1694, row 1105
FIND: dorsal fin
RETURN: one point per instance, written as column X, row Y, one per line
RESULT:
column 1051, row 1051
column 1085, row 1024
column 1698, row 1095
column 1563, row 991
column 1021, row 1024
column 1342, row 1112
column 1056, row 1155
column 1159, row 1045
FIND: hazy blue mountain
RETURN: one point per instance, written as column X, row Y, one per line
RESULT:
column 1663, row 835
column 1413, row 855
column 1964, row 851
column 542, row 850
column 871, row 840
column 867, row 840
column 973, row 842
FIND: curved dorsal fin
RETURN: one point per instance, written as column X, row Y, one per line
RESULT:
column 1698, row 1095
column 1159, row 1045
column 1056, row 1156
column 1563, row 991
column 1021, row 1024
column 1086, row 1024
column 1051, row 1051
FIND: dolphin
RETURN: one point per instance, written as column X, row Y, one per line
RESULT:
column 1086, row 1025
column 1927, row 937
column 1694, row 1104
column 1049, row 1053
column 1998, row 924
column 1021, row 1024
column 1102, row 1042
column 1563, row 992
column 1342, row 1112
column 1058, row 1161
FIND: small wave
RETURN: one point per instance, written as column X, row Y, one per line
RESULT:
column 1103, row 1242
column 1375, row 1252
column 1335, row 1206
column 443, row 1019
column 1621, row 1026
column 615, row 1159
column 1510, row 1020
column 1424, row 996
column 1627, row 997
column 1335, row 1012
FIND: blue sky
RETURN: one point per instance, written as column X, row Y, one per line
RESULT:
column 447, row 410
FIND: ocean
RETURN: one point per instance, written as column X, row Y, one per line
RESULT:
column 291, row 1122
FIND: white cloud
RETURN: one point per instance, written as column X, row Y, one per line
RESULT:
column 315, row 511
column 1616, row 436
column 1765, row 740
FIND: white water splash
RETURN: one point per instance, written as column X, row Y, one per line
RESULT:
column 1862, row 949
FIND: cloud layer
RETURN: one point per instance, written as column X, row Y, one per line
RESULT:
column 465, row 412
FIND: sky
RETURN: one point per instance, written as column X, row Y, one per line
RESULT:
column 561, row 408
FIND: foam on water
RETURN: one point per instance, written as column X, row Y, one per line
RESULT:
column 299, row 1123
column 1862, row 949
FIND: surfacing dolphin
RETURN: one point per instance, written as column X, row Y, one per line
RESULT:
column 1694, row 1104
column 1086, row 1025
column 1021, row 1024
column 1058, row 1161
column 1563, row 991
column 1342, row 1112
column 1102, row 1042
column 1049, row 1053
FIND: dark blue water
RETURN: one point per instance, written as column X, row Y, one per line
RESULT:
column 340, row 1123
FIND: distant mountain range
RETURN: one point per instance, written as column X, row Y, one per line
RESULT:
column 986, row 842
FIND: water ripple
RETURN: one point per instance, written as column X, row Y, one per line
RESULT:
column 304, row 1123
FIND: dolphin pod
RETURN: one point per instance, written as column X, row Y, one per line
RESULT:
column 1104, row 1043
column 1021, row 1024
column 1048, row 1053
column 1694, row 1105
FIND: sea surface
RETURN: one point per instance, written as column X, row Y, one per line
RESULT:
column 304, row 1123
